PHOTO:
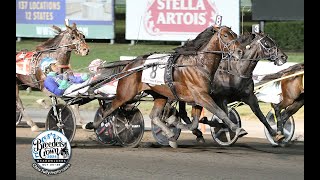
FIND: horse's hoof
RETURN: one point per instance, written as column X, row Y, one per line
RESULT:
column 200, row 140
column 279, row 138
column 173, row 144
column 240, row 132
column 89, row 125
column 35, row 128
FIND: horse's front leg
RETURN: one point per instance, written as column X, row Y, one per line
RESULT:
column 206, row 101
column 252, row 101
column 25, row 115
column 277, row 115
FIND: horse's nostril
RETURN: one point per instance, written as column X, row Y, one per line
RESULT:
column 284, row 57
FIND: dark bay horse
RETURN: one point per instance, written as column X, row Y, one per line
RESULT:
column 291, row 80
column 59, row 48
column 193, row 69
column 233, row 79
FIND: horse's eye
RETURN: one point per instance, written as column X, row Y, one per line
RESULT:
column 225, row 35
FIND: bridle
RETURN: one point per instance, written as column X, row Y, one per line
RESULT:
column 226, row 45
column 272, row 51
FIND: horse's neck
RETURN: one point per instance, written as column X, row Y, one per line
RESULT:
column 210, row 59
column 247, row 64
column 62, row 55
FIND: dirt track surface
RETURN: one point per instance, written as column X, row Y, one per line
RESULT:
column 249, row 158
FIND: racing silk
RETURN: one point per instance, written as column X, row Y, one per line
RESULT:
column 54, row 82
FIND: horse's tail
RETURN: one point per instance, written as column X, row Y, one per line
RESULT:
column 290, row 70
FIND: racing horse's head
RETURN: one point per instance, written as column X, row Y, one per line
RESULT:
column 266, row 48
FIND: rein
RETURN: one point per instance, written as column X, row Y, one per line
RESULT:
column 278, row 79
column 55, row 48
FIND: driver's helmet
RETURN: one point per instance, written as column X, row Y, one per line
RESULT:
column 93, row 66
column 45, row 64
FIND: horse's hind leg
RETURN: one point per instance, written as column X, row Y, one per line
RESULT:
column 277, row 109
column 19, row 104
column 127, row 89
column 293, row 108
column 156, row 113
column 76, row 111
column 184, row 116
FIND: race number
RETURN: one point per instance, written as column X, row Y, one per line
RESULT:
column 255, row 28
column 153, row 73
column 218, row 20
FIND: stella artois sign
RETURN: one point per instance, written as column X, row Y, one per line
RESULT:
column 170, row 16
column 178, row 20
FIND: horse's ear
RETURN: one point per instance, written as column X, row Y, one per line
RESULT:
column 215, row 28
column 74, row 26
column 56, row 29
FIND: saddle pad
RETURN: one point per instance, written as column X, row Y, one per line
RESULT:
column 266, row 67
column 23, row 60
column 155, row 74
column 270, row 93
column 109, row 88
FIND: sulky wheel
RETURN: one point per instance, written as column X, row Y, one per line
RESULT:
column 104, row 132
column 222, row 135
column 64, row 121
column 288, row 129
column 18, row 116
column 160, row 136
column 128, row 126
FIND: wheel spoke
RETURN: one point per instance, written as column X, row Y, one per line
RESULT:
column 66, row 118
column 54, row 128
column 286, row 132
column 54, row 117
column 228, row 136
column 157, row 131
column 67, row 128
column 119, row 132
column 121, row 120
column 273, row 126
column 217, row 135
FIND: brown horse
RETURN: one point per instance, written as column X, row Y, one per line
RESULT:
column 189, row 72
column 59, row 48
column 292, row 92
column 233, row 79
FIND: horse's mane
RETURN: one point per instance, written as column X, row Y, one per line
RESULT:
column 291, row 70
column 50, row 42
column 193, row 45
column 246, row 38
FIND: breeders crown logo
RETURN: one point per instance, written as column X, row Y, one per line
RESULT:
column 51, row 152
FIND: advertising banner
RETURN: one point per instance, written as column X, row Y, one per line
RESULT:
column 177, row 20
column 95, row 19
